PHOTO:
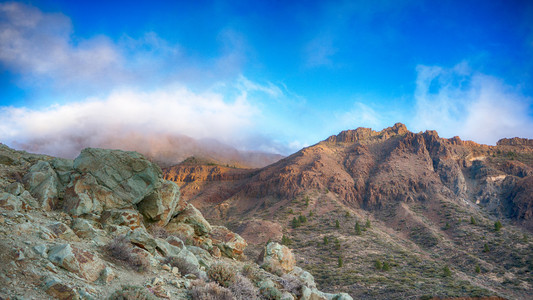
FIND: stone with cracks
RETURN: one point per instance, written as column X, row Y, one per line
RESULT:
column 75, row 260
column 278, row 257
column 231, row 244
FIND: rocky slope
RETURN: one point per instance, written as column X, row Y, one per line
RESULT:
column 432, row 204
column 108, row 226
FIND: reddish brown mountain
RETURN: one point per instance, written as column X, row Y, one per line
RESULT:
column 369, row 169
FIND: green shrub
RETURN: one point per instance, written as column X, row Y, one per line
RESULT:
column 378, row 265
column 285, row 240
column 302, row 219
column 340, row 262
column 357, row 228
column 337, row 224
column 478, row 269
column 367, row 225
column 486, row 248
column 472, row 220
column 221, row 273
column 446, row 272
column 497, row 225
column 447, row 226
column 295, row 223
column 326, row 241
column 270, row 293
column 386, row 266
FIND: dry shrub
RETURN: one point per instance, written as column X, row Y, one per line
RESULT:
column 209, row 291
column 292, row 284
column 221, row 273
column 243, row 289
column 121, row 249
column 130, row 292
column 185, row 267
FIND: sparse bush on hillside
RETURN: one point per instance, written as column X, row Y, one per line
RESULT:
column 302, row 219
column 326, row 241
column 337, row 224
column 340, row 263
column 285, row 240
column 497, row 225
column 357, row 228
column 221, row 273
column 311, row 213
column 478, row 269
column 347, row 214
column 378, row 265
column 337, row 244
column 472, row 220
column 200, row 290
column 291, row 284
column 306, row 199
column 295, row 223
column 367, row 225
column 386, row 266
column 185, row 267
column 121, row 249
column 446, row 272
column 486, row 248
column 130, row 292
column 243, row 289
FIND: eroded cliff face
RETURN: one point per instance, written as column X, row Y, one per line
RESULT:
column 107, row 225
column 370, row 169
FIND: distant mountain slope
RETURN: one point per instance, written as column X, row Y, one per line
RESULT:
column 420, row 191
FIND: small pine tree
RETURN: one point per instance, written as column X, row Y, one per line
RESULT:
column 337, row 244
column 347, row 214
column 326, row 240
column 311, row 213
column 295, row 223
column 302, row 219
column 446, row 271
column 337, row 224
column 367, row 225
column 478, row 269
column 306, row 201
column 285, row 240
column 486, row 248
column 472, row 220
column 524, row 238
column 291, row 211
column 447, row 226
column 378, row 265
column 357, row 228
column 340, row 262
column 498, row 225
column 386, row 266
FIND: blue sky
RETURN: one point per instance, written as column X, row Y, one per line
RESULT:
column 261, row 75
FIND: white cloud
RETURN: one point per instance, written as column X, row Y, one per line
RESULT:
column 39, row 47
column 171, row 111
column 471, row 105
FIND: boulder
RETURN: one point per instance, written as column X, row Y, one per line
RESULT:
column 192, row 216
column 314, row 294
column 128, row 174
column 184, row 231
column 83, row 195
column 43, row 184
column 75, row 260
column 305, row 277
column 231, row 244
column 162, row 204
column 122, row 217
column 10, row 202
column 63, row 168
column 278, row 257
column 63, row 231
column 61, row 291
